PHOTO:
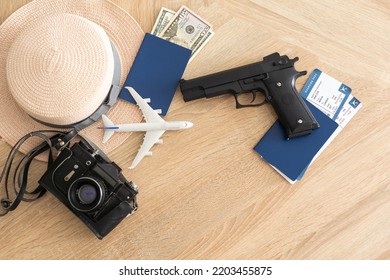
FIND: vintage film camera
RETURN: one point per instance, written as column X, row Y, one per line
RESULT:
column 91, row 186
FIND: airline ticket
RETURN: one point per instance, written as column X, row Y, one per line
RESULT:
column 331, row 96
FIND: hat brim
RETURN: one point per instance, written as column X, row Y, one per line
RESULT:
column 125, row 34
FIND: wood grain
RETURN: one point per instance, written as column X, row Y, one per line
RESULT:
column 205, row 194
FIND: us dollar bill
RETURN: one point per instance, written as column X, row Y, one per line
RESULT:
column 186, row 28
column 166, row 17
column 196, row 49
column 163, row 18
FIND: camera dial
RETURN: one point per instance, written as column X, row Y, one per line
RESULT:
column 86, row 194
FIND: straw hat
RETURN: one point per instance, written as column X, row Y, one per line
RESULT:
column 57, row 64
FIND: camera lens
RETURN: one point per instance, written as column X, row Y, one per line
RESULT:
column 86, row 194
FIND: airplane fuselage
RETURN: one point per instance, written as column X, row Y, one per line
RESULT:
column 168, row 125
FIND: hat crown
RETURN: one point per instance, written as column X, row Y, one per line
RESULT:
column 60, row 68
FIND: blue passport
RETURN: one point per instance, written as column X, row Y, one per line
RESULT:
column 292, row 157
column 156, row 72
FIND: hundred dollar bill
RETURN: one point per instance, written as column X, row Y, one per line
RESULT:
column 201, row 44
column 163, row 18
column 186, row 29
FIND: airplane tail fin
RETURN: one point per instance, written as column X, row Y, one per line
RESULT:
column 107, row 132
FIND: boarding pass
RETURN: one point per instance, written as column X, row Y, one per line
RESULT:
column 331, row 97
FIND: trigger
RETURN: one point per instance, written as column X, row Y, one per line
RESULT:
column 253, row 95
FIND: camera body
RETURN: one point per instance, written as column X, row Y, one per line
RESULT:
column 91, row 186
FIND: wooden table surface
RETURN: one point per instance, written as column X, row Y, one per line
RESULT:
column 205, row 194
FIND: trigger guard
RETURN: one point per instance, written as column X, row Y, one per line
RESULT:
column 239, row 105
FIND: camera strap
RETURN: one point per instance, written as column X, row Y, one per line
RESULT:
column 20, row 172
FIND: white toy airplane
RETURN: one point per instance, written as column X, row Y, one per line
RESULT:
column 154, row 126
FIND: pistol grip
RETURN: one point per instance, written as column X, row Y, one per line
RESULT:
column 292, row 111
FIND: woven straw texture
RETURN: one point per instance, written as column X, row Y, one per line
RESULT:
column 35, row 65
column 60, row 68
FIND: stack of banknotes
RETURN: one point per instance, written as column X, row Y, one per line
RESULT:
column 184, row 28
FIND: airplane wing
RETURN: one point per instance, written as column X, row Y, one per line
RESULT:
column 150, row 115
column 150, row 138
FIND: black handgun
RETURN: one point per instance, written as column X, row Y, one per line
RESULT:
column 274, row 77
